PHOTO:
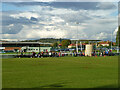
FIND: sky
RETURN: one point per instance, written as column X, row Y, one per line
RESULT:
column 56, row 19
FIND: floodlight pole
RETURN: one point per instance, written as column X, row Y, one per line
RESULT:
column 39, row 48
column 77, row 38
column 111, row 39
column 81, row 46
column 76, row 46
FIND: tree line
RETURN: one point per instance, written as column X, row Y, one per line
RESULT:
column 118, row 36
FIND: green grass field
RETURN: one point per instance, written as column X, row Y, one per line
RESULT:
column 63, row 72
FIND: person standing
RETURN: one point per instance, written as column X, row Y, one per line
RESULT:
column 59, row 54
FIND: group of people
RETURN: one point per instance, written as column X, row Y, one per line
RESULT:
column 103, row 53
column 56, row 54
column 48, row 54
column 75, row 54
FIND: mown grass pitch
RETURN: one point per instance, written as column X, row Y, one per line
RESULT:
column 63, row 72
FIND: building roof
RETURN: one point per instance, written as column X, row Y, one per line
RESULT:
column 103, row 43
column 71, row 45
column 106, row 42
column 11, row 48
column 114, row 43
column 60, row 44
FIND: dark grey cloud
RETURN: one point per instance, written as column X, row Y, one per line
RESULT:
column 6, row 19
column 21, row 20
column 74, row 5
column 16, row 22
column 17, row 0
column 83, row 5
column 21, row 4
column 61, row 0
column 16, row 28
column 33, row 19
column 70, row 5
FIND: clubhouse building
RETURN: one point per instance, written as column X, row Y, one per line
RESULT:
column 25, row 46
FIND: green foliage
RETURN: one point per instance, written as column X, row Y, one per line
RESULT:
column 65, row 43
column 100, row 45
column 55, row 45
column 86, row 42
column 46, row 40
column 110, row 44
column 118, row 36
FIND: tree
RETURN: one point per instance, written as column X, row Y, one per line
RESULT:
column 65, row 43
column 86, row 42
column 118, row 36
column 55, row 44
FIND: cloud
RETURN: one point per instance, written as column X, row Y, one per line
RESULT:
column 61, row 0
column 45, row 21
column 115, row 32
column 70, row 5
column 119, row 19
column 33, row 19
column 28, row 0
column 30, row 33
column 13, row 23
column 44, row 0
column 101, row 36
column 12, row 29
column 27, row 15
column 106, row 5
column 11, row 18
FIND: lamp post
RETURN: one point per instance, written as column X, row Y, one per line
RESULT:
column 77, row 38
column 77, row 46
column 111, row 39
column 81, row 46
column 39, row 48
